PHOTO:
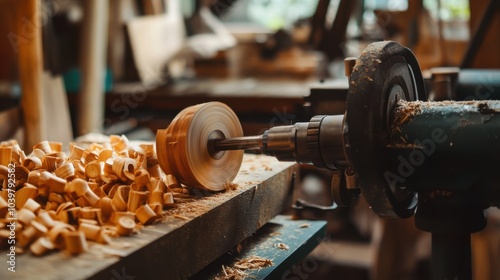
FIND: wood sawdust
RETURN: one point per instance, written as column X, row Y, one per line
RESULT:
column 196, row 204
column 268, row 168
column 230, row 186
column 404, row 111
column 237, row 271
column 180, row 217
column 187, row 210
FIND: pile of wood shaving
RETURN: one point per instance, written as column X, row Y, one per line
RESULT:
column 237, row 271
column 42, row 189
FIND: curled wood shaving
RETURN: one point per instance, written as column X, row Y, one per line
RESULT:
column 282, row 246
column 56, row 192
column 253, row 262
column 230, row 273
column 237, row 271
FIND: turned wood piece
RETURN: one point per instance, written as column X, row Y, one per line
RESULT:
column 183, row 149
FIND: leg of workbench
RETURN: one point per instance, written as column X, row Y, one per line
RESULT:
column 451, row 256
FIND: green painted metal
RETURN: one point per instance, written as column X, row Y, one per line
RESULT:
column 467, row 128
column 300, row 236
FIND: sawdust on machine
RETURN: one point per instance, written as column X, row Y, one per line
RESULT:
column 238, row 270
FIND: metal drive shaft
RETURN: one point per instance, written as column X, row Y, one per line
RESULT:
column 238, row 143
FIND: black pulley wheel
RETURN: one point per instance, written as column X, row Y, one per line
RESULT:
column 384, row 73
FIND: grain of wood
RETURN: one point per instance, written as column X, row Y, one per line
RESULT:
column 32, row 206
column 75, row 242
column 125, row 226
column 41, row 246
column 183, row 148
column 5, row 156
column 28, row 192
column 145, row 214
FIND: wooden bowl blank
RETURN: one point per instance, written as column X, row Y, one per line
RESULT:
column 184, row 148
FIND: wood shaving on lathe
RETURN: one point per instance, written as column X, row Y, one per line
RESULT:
column 282, row 246
column 253, row 262
column 237, row 270
column 230, row 273
column 230, row 186
column 62, row 201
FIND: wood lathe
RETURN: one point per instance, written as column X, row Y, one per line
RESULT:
column 406, row 155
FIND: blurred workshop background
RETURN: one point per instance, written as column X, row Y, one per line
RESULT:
column 129, row 66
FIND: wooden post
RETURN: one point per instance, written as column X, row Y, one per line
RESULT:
column 93, row 64
column 30, row 70
column 116, row 39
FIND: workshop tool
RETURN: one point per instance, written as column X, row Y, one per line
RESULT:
column 399, row 151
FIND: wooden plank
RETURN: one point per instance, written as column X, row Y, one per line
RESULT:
column 178, row 247
column 300, row 236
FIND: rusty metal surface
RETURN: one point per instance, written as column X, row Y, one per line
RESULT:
column 448, row 146
column 384, row 73
column 471, row 128
column 179, row 247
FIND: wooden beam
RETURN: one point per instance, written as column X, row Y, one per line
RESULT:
column 29, row 31
column 93, row 65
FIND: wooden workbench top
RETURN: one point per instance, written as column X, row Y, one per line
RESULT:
column 192, row 235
